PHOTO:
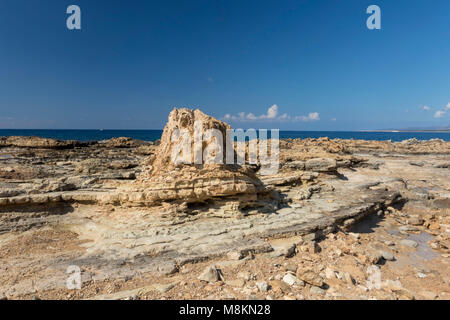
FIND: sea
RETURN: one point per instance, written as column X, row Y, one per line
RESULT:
column 152, row 135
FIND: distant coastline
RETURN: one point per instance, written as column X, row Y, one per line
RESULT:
column 423, row 130
column 153, row 135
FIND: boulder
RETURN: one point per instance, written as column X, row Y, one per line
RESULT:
column 174, row 176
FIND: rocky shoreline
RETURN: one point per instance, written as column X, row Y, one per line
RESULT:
column 337, row 214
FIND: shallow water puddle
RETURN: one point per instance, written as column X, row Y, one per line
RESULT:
column 423, row 250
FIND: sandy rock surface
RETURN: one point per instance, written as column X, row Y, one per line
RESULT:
column 341, row 219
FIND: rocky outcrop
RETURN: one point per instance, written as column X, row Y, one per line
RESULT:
column 124, row 142
column 37, row 142
column 183, row 120
column 120, row 208
column 175, row 177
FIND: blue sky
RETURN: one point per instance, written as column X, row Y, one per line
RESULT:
column 315, row 60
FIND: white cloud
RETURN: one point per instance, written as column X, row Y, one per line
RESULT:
column 441, row 113
column 312, row 116
column 272, row 115
column 425, row 108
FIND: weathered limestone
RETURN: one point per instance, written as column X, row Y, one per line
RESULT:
column 173, row 215
column 166, row 180
column 36, row 142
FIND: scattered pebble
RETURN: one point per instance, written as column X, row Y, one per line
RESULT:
column 388, row 256
column 316, row 290
column 262, row 286
column 289, row 279
column 409, row 243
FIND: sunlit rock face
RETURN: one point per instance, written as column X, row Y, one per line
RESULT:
column 185, row 140
column 190, row 165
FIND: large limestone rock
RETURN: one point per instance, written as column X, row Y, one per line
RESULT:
column 184, row 120
column 168, row 178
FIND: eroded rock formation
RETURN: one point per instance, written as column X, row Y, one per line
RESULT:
column 121, row 209
column 176, row 175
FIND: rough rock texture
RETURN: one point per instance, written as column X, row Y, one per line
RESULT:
column 36, row 142
column 184, row 119
column 166, row 179
column 84, row 206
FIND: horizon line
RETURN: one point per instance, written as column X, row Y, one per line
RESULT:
column 363, row 130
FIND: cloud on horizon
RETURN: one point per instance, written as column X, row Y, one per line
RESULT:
column 441, row 113
column 272, row 115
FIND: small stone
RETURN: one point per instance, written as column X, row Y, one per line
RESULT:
column 290, row 279
column 262, row 286
column 407, row 229
column 309, row 276
column 211, row 274
column 374, row 257
column 239, row 283
column 434, row 226
column 311, row 247
column 3, row 297
column 290, row 267
column 387, row 256
column 234, row 255
column 409, row 243
column 434, row 245
column 329, row 273
column 244, row 275
column 316, row 290
column 285, row 250
column 348, row 278
column 416, row 221
column 278, row 285
column 421, row 275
